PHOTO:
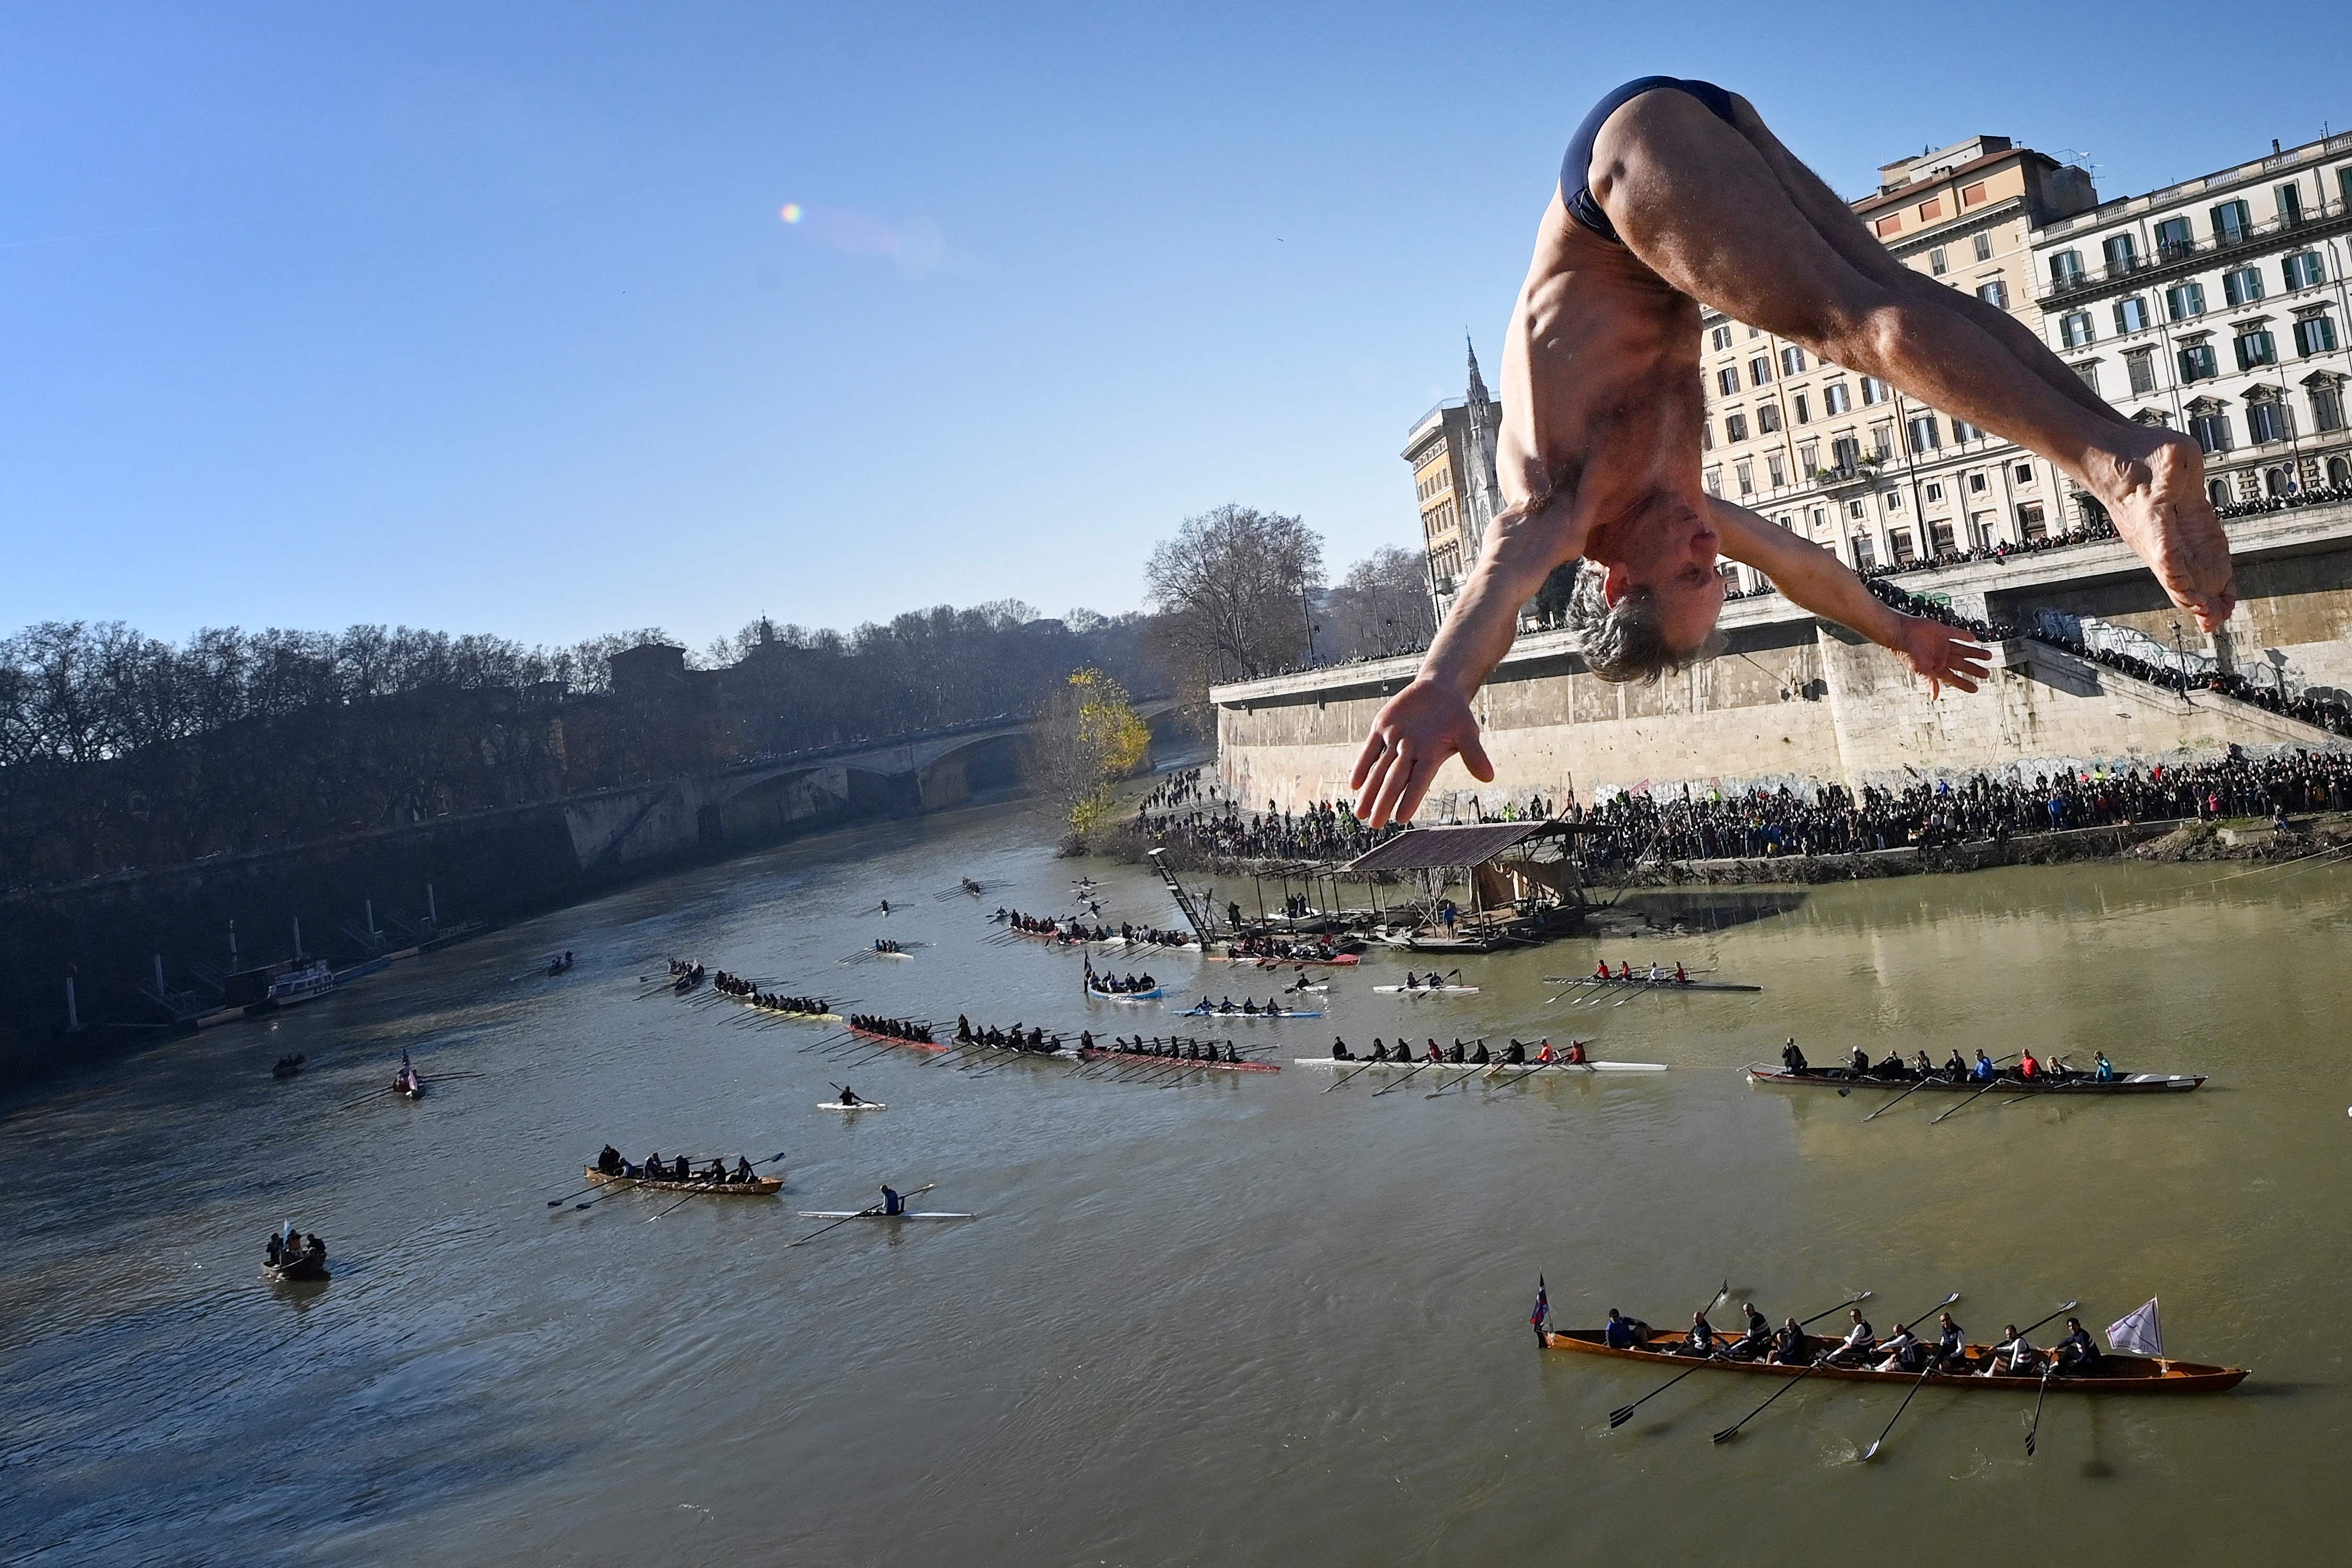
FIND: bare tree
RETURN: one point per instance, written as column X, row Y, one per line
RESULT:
column 1381, row 608
column 1228, row 588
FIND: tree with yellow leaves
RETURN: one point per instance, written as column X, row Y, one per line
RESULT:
column 1089, row 738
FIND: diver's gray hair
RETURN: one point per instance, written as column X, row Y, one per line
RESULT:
column 1627, row 640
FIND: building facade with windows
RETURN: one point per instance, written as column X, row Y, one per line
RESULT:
column 1451, row 450
column 2218, row 306
column 1846, row 461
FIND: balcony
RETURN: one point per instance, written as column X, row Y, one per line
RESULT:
column 2175, row 257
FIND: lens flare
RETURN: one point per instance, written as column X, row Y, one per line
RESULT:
column 791, row 212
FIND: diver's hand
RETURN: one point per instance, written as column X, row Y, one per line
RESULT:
column 1942, row 654
column 1412, row 734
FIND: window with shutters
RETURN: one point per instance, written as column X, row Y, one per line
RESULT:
column 2185, row 300
column 1923, row 433
column 2074, row 330
column 1973, row 197
column 2242, row 287
column 1835, row 399
column 1775, row 470
column 1767, row 419
column 1846, row 452
column 1792, row 362
column 1727, row 381
column 1931, row 209
column 1746, row 474
column 2173, row 239
column 2267, row 422
column 1891, row 224
column 2290, row 203
column 2131, row 314
column 2067, row 269
column 1873, row 391
column 1892, row 500
column 1760, row 370
column 1936, row 261
column 1721, row 338
column 1808, row 457
column 2140, row 365
column 1735, row 426
column 2303, row 270
column 2090, row 374
column 2122, row 251
column 2327, row 408
column 1995, row 293
column 1962, row 431
column 1984, row 241
column 2211, row 430
column 2233, row 223
column 2198, row 362
column 2257, row 347
column 1801, row 409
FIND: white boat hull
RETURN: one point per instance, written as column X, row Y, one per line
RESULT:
column 861, row 1105
column 1427, row 990
column 840, row 1214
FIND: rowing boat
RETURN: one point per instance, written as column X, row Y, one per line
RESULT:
column 881, row 1039
column 861, row 1105
column 871, row 1214
column 1427, row 990
column 1642, row 982
column 1276, row 960
column 305, row 1269
column 1099, row 994
column 2115, row 1372
column 1237, row 1013
column 1101, row 1053
column 1843, row 1078
column 757, row 1187
column 1490, row 1067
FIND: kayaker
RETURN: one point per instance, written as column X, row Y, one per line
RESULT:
column 849, row 1096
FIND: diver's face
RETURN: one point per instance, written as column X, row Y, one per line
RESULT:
column 1672, row 553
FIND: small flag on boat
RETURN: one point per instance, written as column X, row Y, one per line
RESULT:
column 2141, row 1334
column 1543, row 1306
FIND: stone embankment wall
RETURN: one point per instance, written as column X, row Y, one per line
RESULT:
column 1795, row 700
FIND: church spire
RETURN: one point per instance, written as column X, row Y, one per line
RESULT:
column 1478, row 398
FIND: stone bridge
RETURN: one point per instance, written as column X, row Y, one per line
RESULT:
column 769, row 798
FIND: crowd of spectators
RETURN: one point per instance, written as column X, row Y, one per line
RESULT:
column 2321, row 495
column 1830, row 819
column 1326, row 831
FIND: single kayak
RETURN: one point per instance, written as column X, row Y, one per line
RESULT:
column 876, row 1213
column 861, row 1105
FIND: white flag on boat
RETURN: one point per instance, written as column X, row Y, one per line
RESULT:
column 2141, row 1334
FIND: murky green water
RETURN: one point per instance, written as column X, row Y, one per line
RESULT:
column 1237, row 1321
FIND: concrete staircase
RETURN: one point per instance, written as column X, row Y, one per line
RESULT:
column 2053, row 666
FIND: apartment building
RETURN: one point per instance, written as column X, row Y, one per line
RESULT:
column 1451, row 450
column 1851, row 463
column 2218, row 306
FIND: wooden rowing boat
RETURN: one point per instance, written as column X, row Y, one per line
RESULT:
column 1245, row 1017
column 1491, row 1068
column 757, row 1187
column 1642, row 982
column 2116, row 1373
column 894, row 1040
column 1844, row 1077
column 304, row 1269
column 1099, row 1053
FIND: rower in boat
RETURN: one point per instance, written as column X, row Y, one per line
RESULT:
column 609, row 1161
column 1893, row 1067
column 1380, row 1050
column 1756, row 1341
column 1700, row 1341
column 1479, row 1057
column 1625, row 970
column 1902, row 1351
column 848, row 1096
column 1435, row 1054
column 1576, row 1058
column 1951, row 1343
column 892, row 1202
column 1793, row 1059
column 653, row 1169
column 1340, row 1050
column 1792, row 1346
column 1545, row 1057
column 743, row 1170
column 2014, row 1356
column 1656, row 974
column 1859, row 1342
column 1617, row 1333
column 1680, row 977
column 1982, row 1068
column 2103, row 1070
column 1858, row 1065
column 1955, row 1066
column 1921, row 1067
column 1600, row 969
column 1516, row 1055
column 2075, row 1354
column 717, row 1174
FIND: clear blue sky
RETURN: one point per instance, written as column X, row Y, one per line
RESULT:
column 486, row 317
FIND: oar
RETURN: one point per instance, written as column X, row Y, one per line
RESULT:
column 1403, row 1081
column 2034, row 1431
column 1733, row 1430
column 1624, row 1413
column 1899, row 1098
column 861, row 1214
column 1346, row 1076
column 1476, row 1068
column 1872, row 1451
column 691, row 1196
column 1993, row 1083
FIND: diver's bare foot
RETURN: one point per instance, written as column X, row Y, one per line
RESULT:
column 2157, row 499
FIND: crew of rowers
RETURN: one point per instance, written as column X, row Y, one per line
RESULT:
column 2027, row 1071
column 1126, row 985
column 1860, row 1348
column 882, row 943
column 1248, row 1008
column 685, row 974
column 1016, row 1038
column 1475, row 1055
column 287, row 1067
column 892, row 1028
column 1435, row 982
column 1656, row 975
column 742, row 990
column 292, row 1247
column 1189, row 1051
column 656, row 1169
column 967, row 885
column 1283, row 948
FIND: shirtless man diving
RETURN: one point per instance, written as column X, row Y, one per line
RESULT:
column 1674, row 193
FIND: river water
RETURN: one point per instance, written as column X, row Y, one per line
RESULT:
column 1238, row 1320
